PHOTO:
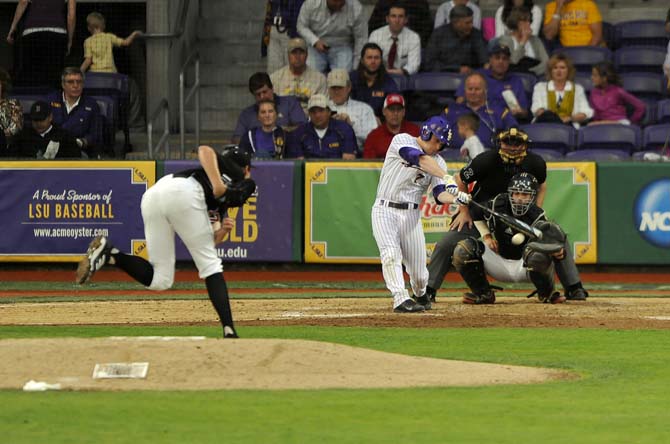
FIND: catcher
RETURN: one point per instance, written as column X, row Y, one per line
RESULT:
column 506, row 255
column 190, row 203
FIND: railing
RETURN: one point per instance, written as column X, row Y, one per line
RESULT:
column 184, row 97
column 165, row 137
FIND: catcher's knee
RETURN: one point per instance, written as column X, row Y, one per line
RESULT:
column 537, row 261
column 466, row 251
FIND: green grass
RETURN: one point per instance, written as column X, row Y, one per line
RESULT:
column 623, row 395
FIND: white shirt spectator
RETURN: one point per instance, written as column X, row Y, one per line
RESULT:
column 666, row 63
column 409, row 47
column 347, row 27
column 362, row 117
column 472, row 147
column 581, row 103
column 535, row 21
column 442, row 14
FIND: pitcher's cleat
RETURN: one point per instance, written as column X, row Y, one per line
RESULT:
column 97, row 256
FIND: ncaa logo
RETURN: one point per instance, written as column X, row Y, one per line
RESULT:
column 652, row 213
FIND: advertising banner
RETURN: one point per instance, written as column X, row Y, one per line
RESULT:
column 52, row 209
column 339, row 198
column 264, row 229
column 634, row 213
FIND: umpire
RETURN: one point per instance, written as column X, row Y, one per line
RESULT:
column 491, row 171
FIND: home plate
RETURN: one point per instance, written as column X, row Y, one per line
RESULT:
column 127, row 370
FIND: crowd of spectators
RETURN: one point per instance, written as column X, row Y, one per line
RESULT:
column 401, row 39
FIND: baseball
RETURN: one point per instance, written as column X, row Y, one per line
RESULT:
column 518, row 239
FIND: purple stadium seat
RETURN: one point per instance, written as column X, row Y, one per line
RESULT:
column 584, row 57
column 547, row 154
column 644, row 85
column 663, row 111
column 584, row 79
column 609, row 137
column 598, row 155
column 401, row 81
column 451, row 154
column 655, row 137
column 551, row 136
column 444, row 83
column 639, row 59
column 529, row 80
column 640, row 32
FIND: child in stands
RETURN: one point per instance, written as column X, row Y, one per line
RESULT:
column 608, row 99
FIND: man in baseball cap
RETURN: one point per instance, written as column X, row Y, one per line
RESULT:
column 379, row 139
column 322, row 136
column 297, row 79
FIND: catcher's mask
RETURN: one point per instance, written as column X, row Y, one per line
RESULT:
column 439, row 127
column 512, row 145
column 522, row 191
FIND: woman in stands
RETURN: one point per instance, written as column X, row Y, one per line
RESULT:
column 504, row 11
column 266, row 141
column 608, row 99
column 11, row 112
column 528, row 53
column 560, row 100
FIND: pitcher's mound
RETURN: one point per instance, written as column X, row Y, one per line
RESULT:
column 195, row 363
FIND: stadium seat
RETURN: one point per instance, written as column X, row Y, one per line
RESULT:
column 640, row 32
column 609, row 35
column 599, row 155
column 401, row 81
column 644, row 85
column 444, row 83
column 114, row 85
column 663, row 111
column 584, row 79
column 551, row 136
column 109, row 111
column 548, row 155
column 639, row 59
column 584, row 57
column 655, row 137
column 625, row 138
column 451, row 154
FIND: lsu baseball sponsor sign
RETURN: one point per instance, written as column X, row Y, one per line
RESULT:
column 53, row 209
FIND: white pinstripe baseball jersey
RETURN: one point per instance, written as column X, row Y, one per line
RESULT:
column 401, row 182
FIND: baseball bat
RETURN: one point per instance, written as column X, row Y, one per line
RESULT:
column 512, row 222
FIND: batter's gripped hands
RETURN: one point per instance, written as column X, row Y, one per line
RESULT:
column 461, row 220
column 559, row 255
column 227, row 226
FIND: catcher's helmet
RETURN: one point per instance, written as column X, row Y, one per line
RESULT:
column 516, row 145
column 439, row 127
column 522, row 191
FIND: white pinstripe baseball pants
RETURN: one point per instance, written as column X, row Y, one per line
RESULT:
column 401, row 241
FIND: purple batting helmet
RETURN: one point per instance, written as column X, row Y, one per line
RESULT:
column 438, row 126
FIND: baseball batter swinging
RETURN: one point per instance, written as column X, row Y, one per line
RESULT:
column 411, row 166
column 183, row 203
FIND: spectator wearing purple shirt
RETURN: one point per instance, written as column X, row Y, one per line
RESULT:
column 370, row 83
column 289, row 111
column 268, row 140
column 499, row 79
column 608, row 99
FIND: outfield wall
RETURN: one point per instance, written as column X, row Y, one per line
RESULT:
column 316, row 212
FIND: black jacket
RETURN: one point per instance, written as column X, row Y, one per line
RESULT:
column 29, row 144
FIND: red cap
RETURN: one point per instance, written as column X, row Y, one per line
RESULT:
column 394, row 99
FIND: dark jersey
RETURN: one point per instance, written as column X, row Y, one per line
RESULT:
column 501, row 232
column 233, row 173
column 493, row 175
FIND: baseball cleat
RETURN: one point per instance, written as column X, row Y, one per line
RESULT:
column 431, row 292
column 479, row 299
column 424, row 301
column 578, row 294
column 229, row 332
column 409, row 306
column 97, row 256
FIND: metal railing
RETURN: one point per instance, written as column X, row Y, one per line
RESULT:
column 184, row 98
column 164, row 109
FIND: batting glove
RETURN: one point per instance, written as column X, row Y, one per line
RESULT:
column 449, row 181
column 462, row 198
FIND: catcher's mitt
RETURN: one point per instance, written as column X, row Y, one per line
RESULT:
column 552, row 240
column 237, row 193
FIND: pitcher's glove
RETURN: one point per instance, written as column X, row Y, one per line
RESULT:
column 237, row 193
column 552, row 239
